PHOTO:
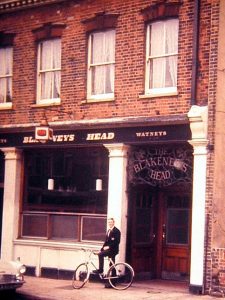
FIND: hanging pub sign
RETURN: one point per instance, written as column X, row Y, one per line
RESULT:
column 162, row 166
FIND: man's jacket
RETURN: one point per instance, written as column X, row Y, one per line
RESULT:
column 112, row 240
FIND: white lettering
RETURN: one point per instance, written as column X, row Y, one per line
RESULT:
column 151, row 133
column 100, row 136
column 29, row 140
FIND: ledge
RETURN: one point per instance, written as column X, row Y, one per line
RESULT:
column 4, row 106
column 15, row 5
column 166, row 94
column 104, row 123
column 47, row 244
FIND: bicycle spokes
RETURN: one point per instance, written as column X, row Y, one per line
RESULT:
column 120, row 276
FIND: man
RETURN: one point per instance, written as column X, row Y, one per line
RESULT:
column 110, row 247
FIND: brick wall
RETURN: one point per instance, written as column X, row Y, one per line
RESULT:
column 130, row 55
column 129, row 76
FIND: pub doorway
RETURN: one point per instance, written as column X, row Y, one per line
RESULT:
column 160, row 233
column 159, row 222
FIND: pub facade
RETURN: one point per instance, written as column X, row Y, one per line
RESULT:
column 105, row 113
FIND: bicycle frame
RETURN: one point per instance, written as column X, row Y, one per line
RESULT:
column 119, row 274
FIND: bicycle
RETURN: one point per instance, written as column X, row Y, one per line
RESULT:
column 119, row 275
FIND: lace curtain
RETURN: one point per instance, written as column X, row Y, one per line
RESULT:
column 163, row 50
column 6, row 74
column 50, row 65
column 102, row 61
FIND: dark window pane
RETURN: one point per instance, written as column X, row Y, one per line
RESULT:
column 35, row 225
column 93, row 228
column 74, row 172
column 64, row 227
column 177, row 226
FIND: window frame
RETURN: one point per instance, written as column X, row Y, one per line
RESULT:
column 105, row 96
column 46, row 227
column 154, row 92
column 40, row 71
column 7, row 104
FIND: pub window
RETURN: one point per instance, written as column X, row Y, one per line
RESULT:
column 92, row 228
column 64, row 227
column 65, row 211
column 35, row 225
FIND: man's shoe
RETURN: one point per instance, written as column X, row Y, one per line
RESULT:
column 108, row 286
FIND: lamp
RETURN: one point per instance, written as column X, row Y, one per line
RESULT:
column 50, row 184
column 98, row 184
column 43, row 133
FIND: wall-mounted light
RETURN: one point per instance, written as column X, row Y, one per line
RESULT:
column 98, row 184
column 43, row 133
column 50, row 184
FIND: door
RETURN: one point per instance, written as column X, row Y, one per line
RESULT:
column 175, row 236
column 142, row 232
column 160, row 233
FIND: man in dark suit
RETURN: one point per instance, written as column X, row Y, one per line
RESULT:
column 110, row 247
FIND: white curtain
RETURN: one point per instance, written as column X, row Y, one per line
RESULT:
column 6, row 74
column 98, row 58
column 57, row 65
column 2, row 73
column 158, row 68
column 164, row 41
column 49, row 65
column 109, row 57
column 172, row 47
column 45, row 65
column 2, row 89
column 103, row 52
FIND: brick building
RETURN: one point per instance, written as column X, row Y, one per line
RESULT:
column 109, row 108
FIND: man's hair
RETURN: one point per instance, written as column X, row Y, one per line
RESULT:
column 111, row 219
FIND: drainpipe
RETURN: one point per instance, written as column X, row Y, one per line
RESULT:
column 195, row 52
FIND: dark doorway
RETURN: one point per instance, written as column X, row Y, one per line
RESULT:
column 160, row 232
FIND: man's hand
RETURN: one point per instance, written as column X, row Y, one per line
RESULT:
column 106, row 248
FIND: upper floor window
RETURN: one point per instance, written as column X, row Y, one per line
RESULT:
column 101, row 65
column 6, row 60
column 49, row 71
column 161, row 57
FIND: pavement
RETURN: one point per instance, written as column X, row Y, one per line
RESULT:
column 54, row 289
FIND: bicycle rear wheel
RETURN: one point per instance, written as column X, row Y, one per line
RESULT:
column 120, row 276
column 80, row 276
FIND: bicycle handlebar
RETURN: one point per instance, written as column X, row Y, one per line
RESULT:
column 90, row 251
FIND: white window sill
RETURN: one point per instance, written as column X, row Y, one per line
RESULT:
column 7, row 105
column 50, row 102
column 160, row 94
column 95, row 100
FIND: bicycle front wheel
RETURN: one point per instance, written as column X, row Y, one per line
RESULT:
column 120, row 276
column 80, row 276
